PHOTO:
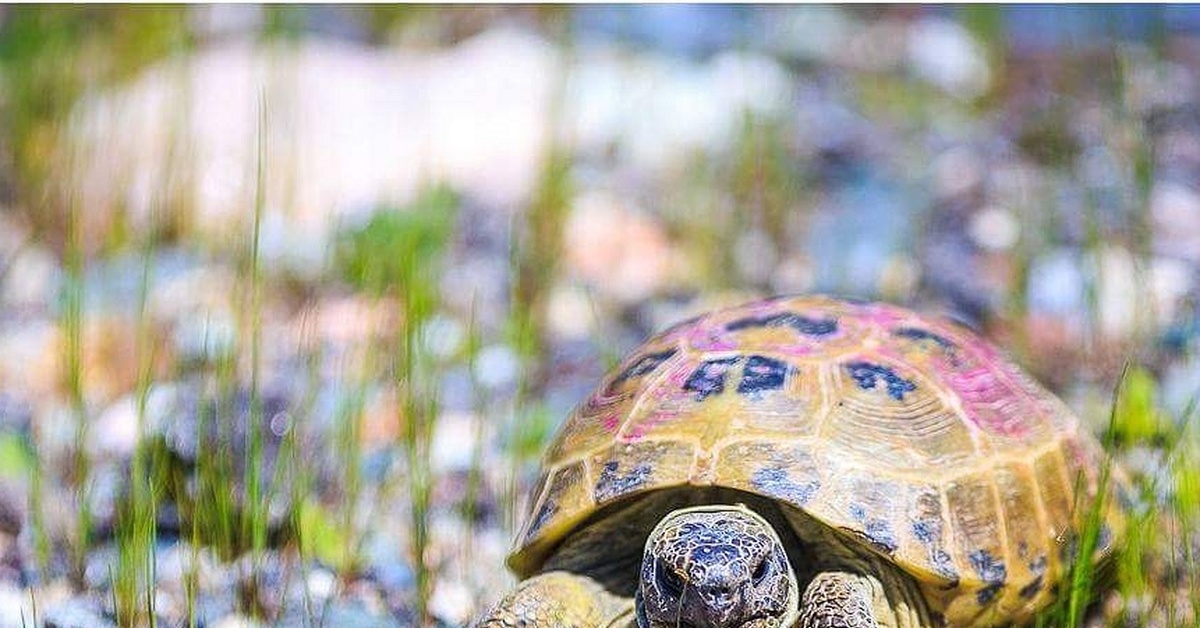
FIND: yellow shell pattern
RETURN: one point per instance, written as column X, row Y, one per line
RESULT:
column 912, row 435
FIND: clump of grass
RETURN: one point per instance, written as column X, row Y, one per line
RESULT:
column 1159, row 513
column 71, row 322
column 397, row 257
column 136, row 528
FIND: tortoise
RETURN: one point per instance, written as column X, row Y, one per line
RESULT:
column 814, row 462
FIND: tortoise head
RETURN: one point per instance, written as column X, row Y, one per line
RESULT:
column 715, row 567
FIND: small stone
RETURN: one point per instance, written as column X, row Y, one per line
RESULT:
column 16, row 608
column 76, row 613
column 30, row 360
column 496, row 367
column 451, row 602
column 570, row 313
column 994, row 229
column 808, row 33
column 793, row 275
column 1171, row 280
column 1056, row 283
column 942, row 52
column 1119, row 293
column 114, row 434
column 31, row 280
column 321, row 584
column 1175, row 211
column 453, row 442
column 237, row 621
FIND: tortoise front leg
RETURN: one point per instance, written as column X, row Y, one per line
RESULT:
column 559, row 599
column 841, row 599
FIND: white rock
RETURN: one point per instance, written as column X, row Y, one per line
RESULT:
column 945, row 54
column 1170, row 281
column 237, row 621
column 994, row 228
column 497, row 366
column 17, row 605
column 570, row 313
column 321, row 584
column 1175, row 212
column 1119, row 293
column 346, row 128
column 115, row 432
column 31, row 279
column 1056, row 283
column 659, row 110
column 16, row 609
column 453, row 442
column 30, row 360
column 808, row 32
column 452, row 602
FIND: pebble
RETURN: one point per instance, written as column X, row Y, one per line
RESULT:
column 994, row 229
column 1056, row 283
column 813, row 33
column 496, row 367
column 619, row 250
column 320, row 584
column 454, row 437
column 31, row 279
column 381, row 123
column 76, row 612
column 571, row 313
column 237, row 621
column 16, row 610
column 942, row 52
column 1175, row 212
column 452, row 602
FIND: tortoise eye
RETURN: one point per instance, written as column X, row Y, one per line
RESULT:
column 761, row 571
column 669, row 581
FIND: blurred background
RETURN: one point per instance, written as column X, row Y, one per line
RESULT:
column 292, row 296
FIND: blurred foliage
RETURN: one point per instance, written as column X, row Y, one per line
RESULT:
column 322, row 536
column 1140, row 419
column 48, row 55
column 16, row 457
column 380, row 256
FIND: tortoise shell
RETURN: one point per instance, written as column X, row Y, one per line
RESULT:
column 913, row 437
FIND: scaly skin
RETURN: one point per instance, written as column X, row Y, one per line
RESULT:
column 558, row 599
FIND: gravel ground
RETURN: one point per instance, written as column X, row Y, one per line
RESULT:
column 895, row 154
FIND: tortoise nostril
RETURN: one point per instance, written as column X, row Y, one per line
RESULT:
column 719, row 600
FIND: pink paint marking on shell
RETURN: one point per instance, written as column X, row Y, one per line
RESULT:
column 805, row 347
column 988, row 402
column 882, row 315
column 611, row 421
column 638, row 430
column 709, row 338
